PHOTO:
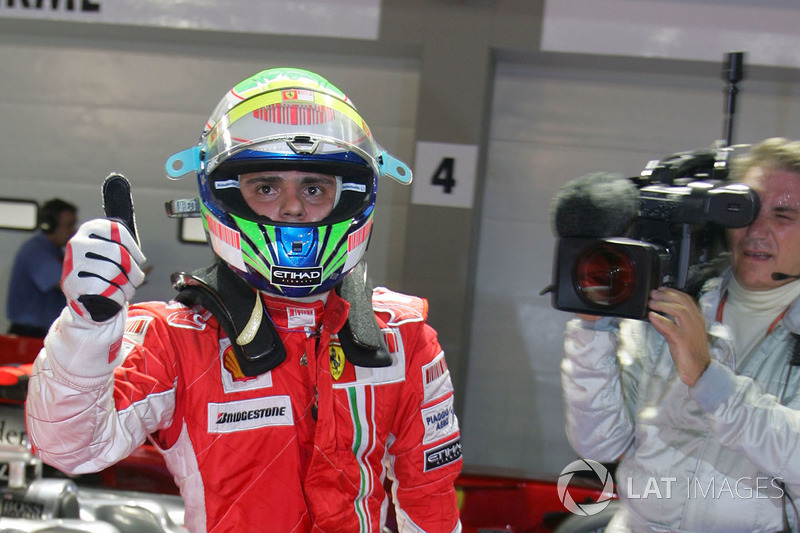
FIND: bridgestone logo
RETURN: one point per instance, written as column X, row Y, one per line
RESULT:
column 296, row 277
column 250, row 414
column 225, row 418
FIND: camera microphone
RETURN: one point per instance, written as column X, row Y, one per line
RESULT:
column 585, row 214
column 600, row 204
column 780, row 276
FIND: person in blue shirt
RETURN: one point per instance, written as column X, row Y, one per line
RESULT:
column 34, row 296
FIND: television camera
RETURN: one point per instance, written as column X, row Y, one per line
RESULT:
column 620, row 238
column 676, row 237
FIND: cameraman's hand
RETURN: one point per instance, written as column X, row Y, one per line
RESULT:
column 101, row 269
column 677, row 317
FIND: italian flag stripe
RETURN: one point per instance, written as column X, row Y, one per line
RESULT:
column 362, row 415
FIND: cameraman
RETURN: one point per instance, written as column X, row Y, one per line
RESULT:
column 700, row 406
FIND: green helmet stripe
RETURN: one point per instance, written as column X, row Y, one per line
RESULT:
column 277, row 78
column 258, row 243
column 255, row 243
column 334, row 253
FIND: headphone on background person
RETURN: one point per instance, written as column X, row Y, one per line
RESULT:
column 49, row 212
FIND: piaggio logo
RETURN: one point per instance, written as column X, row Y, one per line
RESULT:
column 296, row 277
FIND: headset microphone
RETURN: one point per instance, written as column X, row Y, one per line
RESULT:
column 780, row 276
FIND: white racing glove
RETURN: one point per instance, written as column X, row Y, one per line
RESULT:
column 102, row 269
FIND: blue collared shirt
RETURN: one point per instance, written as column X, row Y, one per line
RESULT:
column 34, row 295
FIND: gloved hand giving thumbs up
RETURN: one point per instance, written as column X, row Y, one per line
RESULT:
column 102, row 266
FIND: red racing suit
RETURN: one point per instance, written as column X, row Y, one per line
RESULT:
column 307, row 446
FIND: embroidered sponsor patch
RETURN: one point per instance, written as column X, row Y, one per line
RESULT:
column 133, row 336
column 136, row 328
column 337, row 361
column 440, row 421
column 250, row 414
column 114, row 350
column 362, row 375
column 436, row 379
column 298, row 317
column 443, row 455
column 233, row 379
column 187, row 319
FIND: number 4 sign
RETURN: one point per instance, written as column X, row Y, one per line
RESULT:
column 444, row 174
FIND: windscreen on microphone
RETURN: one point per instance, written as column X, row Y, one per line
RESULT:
column 600, row 204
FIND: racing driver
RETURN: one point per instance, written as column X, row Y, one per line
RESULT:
column 284, row 392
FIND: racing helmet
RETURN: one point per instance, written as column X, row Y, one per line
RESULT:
column 287, row 119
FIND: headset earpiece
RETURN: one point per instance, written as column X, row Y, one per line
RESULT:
column 47, row 219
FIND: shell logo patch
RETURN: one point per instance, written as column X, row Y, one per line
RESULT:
column 233, row 379
column 231, row 364
column 337, row 361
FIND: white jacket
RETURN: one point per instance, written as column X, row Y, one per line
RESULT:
column 709, row 458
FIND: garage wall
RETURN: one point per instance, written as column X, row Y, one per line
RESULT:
column 554, row 118
column 75, row 109
column 78, row 101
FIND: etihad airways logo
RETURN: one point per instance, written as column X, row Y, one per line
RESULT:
column 250, row 414
column 296, row 277
column 442, row 455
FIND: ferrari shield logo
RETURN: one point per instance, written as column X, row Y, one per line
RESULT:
column 337, row 361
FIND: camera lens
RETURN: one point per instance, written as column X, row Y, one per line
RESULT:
column 604, row 275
